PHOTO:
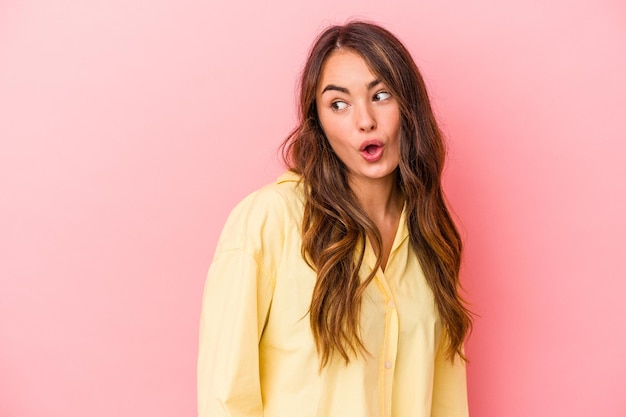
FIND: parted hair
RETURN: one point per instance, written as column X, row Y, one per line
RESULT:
column 335, row 226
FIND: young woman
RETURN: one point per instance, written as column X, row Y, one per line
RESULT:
column 334, row 291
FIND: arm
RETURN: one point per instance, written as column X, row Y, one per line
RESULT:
column 235, row 305
column 449, row 386
column 235, row 308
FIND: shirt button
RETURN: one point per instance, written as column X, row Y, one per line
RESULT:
column 388, row 365
column 390, row 303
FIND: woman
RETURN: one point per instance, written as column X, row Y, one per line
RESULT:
column 333, row 292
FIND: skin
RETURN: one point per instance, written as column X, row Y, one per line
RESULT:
column 355, row 108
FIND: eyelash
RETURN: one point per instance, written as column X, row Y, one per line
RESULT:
column 335, row 104
column 388, row 95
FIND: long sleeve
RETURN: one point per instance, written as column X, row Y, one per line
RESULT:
column 237, row 297
column 449, row 386
column 236, row 300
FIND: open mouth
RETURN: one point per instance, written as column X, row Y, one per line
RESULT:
column 371, row 149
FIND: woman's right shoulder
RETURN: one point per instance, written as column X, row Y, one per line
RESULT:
column 266, row 213
column 283, row 195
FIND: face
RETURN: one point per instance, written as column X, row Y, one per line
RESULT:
column 360, row 117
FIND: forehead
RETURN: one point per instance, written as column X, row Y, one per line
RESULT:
column 344, row 68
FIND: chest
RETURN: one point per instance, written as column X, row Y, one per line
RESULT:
column 400, row 292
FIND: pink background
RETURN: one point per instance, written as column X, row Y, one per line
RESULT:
column 129, row 129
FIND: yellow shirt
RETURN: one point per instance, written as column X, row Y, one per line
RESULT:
column 257, row 356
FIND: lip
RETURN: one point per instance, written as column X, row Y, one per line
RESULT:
column 377, row 152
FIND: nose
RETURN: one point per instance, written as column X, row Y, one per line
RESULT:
column 365, row 119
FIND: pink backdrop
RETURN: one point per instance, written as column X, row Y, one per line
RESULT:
column 129, row 129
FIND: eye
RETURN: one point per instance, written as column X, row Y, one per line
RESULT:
column 338, row 105
column 382, row 96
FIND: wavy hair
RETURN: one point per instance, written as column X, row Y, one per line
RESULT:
column 335, row 226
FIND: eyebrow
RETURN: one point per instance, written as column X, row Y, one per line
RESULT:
column 332, row 87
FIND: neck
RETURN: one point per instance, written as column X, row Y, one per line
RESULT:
column 380, row 198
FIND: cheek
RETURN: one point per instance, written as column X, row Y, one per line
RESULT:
column 333, row 129
column 397, row 122
column 324, row 122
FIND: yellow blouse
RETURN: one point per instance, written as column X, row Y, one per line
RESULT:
column 257, row 356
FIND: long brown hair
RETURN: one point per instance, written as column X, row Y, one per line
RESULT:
column 335, row 227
